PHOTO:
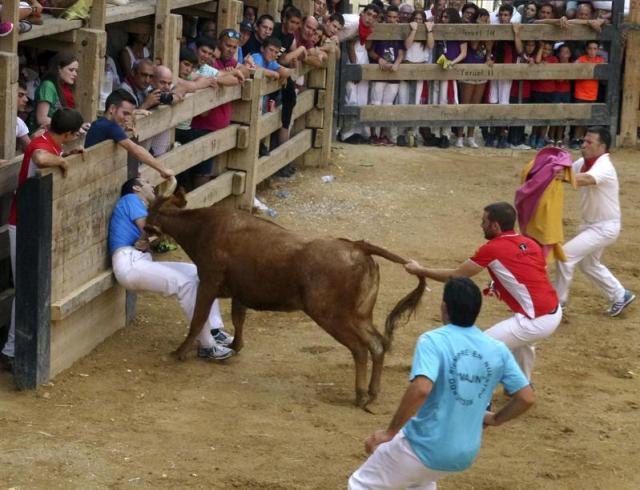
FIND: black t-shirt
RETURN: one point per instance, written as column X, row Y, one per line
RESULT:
column 253, row 45
column 285, row 39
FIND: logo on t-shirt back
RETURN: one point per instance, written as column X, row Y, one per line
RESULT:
column 469, row 376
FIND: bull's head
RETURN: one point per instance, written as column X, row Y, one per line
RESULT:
column 167, row 199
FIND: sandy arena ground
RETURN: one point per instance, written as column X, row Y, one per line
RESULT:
column 280, row 415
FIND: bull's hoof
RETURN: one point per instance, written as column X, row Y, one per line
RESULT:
column 236, row 346
column 361, row 399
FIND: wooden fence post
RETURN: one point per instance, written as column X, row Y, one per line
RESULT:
column 271, row 7
column 98, row 14
column 33, row 282
column 9, row 43
column 324, row 81
column 229, row 14
column 631, row 88
column 245, row 157
column 615, row 61
column 90, row 49
column 8, row 103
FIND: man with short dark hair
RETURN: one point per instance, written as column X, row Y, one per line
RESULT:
column 117, row 113
column 437, row 428
column 43, row 151
column 597, row 179
column 139, row 85
column 263, row 31
column 519, row 278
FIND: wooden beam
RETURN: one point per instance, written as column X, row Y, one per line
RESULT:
column 246, row 159
column 489, row 114
column 305, row 6
column 269, row 85
column 561, row 71
column 8, row 103
column 615, row 59
column 33, row 282
column 212, row 192
column 134, row 10
column 284, row 154
column 226, row 15
column 271, row 7
column 494, row 32
column 81, row 296
column 629, row 121
column 190, row 154
column 90, row 50
column 50, row 26
column 164, row 117
column 98, row 14
column 9, row 175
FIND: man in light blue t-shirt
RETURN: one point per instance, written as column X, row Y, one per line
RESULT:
column 437, row 427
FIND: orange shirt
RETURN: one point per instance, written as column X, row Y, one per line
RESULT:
column 587, row 90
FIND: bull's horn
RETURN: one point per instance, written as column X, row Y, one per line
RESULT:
column 167, row 187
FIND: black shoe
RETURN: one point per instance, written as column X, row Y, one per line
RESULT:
column 401, row 140
column 354, row 139
column 431, row 140
column 444, row 142
column 263, row 151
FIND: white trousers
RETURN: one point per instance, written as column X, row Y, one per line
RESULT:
column 499, row 91
column 137, row 271
column 519, row 333
column 394, row 466
column 585, row 250
column 9, row 348
column 356, row 94
column 384, row 93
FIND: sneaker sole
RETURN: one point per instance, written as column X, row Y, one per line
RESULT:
column 219, row 358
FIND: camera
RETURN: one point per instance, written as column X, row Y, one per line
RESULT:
column 166, row 98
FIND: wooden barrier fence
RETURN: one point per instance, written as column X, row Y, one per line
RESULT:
column 491, row 114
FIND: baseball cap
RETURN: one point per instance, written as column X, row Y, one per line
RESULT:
column 245, row 25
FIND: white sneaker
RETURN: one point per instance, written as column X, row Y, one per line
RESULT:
column 460, row 143
column 221, row 337
column 217, row 352
column 471, row 143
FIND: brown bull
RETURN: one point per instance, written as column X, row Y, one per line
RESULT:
column 262, row 266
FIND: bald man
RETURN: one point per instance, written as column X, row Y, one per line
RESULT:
column 307, row 37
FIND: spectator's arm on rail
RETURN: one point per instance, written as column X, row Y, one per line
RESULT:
column 44, row 159
column 141, row 154
column 414, row 397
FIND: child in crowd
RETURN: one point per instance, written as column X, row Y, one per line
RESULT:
column 417, row 52
column 543, row 92
column 388, row 55
column 586, row 91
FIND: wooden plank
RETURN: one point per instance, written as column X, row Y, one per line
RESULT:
column 9, row 43
column 98, row 14
column 6, row 302
column 50, row 26
column 79, row 333
column 201, row 101
column 33, row 283
column 494, row 32
column 561, row 71
column 615, row 58
column 226, row 13
column 206, row 10
column 630, row 120
column 8, row 103
column 74, row 272
column 134, row 10
column 271, row 7
column 269, row 85
column 186, row 156
column 90, row 50
column 270, row 122
column 305, row 6
column 83, row 295
column 284, row 154
column 212, row 192
column 9, row 175
column 481, row 114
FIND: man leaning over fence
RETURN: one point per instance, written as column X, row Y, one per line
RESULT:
column 357, row 92
column 43, row 151
column 117, row 113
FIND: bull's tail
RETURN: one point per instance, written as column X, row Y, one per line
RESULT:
column 407, row 305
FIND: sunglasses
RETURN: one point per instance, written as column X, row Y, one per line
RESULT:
column 232, row 35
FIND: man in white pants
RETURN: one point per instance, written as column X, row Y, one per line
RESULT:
column 135, row 269
column 519, row 278
column 437, row 427
column 357, row 92
column 598, row 181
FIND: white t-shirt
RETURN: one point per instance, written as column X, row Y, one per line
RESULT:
column 599, row 202
column 21, row 128
column 516, row 18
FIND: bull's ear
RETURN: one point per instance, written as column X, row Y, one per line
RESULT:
column 180, row 198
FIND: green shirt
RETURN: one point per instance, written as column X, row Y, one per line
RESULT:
column 46, row 92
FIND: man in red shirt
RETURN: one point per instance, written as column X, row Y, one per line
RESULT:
column 43, row 151
column 519, row 278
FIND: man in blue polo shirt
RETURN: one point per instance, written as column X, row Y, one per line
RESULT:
column 437, row 427
column 117, row 111
column 136, row 270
